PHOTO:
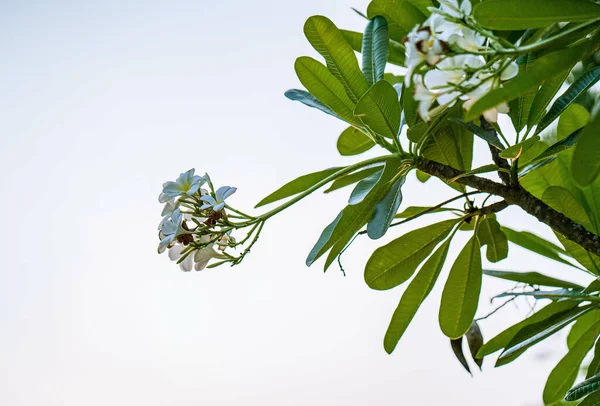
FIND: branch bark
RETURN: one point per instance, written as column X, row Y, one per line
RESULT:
column 518, row 196
column 501, row 162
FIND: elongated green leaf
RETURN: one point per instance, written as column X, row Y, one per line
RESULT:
column 480, row 132
column 572, row 119
column 380, row 110
column 385, row 209
column 515, row 151
column 584, row 388
column 352, row 217
column 589, row 261
column 536, row 244
column 417, row 291
column 375, row 50
column 410, row 106
column 521, row 106
column 327, row 40
column 364, row 187
column 563, row 201
column 309, row 100
column 591, row 400
column 461, row 292
column 475, row 341
column 401, row 16
column 531, row 278
column 535, row 165
column 505, row 337
column 564, row 374
column 352, row 178
column 353, row 142
column 490, row 235
column 582, row 325
column 544, row 96
column 457, row 348
column 526, row 14
column 396, row 51
column 412, row 211
column 395, row 262
column 298, row 185
column 557, row 294
column 594, row 367
column 542, row 69
column 534, row 333
column 557, row 147
column 325, row 87
column 570, row 95
column 586, row 165
column 482, row 169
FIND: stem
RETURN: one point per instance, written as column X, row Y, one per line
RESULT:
column 325, row 181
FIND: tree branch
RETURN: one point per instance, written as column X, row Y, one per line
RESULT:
column 502, row 163
column 518, row 196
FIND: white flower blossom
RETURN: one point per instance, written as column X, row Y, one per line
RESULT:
column 186, row 184
column 421, row 46
column 175, row 253
column 452, row 8
column 217, row 202
column 170, row 229
column 425, row 97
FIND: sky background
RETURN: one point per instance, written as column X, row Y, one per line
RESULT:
column 101, row 103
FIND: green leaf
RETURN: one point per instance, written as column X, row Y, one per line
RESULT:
column 482, row 169
column 515, row 151
column 526, row 14
column 591, row 400
column 309, row 100
column 385, row 209
column 375, row 50
column 416, row 292
column 589, row 261
column 352, row 218
column 324, row 86
column 490, row 235
column 352, row 178
column 396, row 51
column 544, row 96
column 401, row 16
column 298, row 185
column 521, row 106
column 563, row 201
column 534, row 333
column 364, row 187
column 571, row 94
column 412, row 211
column 586, row 165
column 557, row 148
column 457, row 348
column 542, row 69
column 410, row 106
column 594, row 367
column 536, row 244
column 564, row 374
column 461, row 292
column 475, row 341
column 531, row 278
column 480, row 132
column 505, row 337
column 581, row 326
column 572, row 119
column 327, row 40
column 352, row 141
column 395, row 262
column 584, row 388
column 380, row 110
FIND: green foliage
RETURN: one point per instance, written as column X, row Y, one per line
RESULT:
column 379, row 109
column 375, row 50
column 586, row 165
column 353, row 141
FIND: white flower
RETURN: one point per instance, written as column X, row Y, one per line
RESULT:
column 467, row 39
column 452, row 8
column 186, row 183
column 421, row 46
column 170, row 229
column 217, row 203
column 167, row 212
column 203, row 256
column 425, row 98
column 490, row 115
column 175, row 254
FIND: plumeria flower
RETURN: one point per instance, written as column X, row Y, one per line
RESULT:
column 175, row 254
column 421, row 46
column 451, row 71
column 425, row 97
column 170, row 230
column 203, row 256
column 167, row 211
column 467, row 39
column 452, row 8
column 490, row 115
column 186, row 184
column 217, row 203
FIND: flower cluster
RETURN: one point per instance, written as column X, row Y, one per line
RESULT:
column 196, row 227
column 446, row 61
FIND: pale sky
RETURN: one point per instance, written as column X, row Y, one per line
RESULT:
column 104, row 101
